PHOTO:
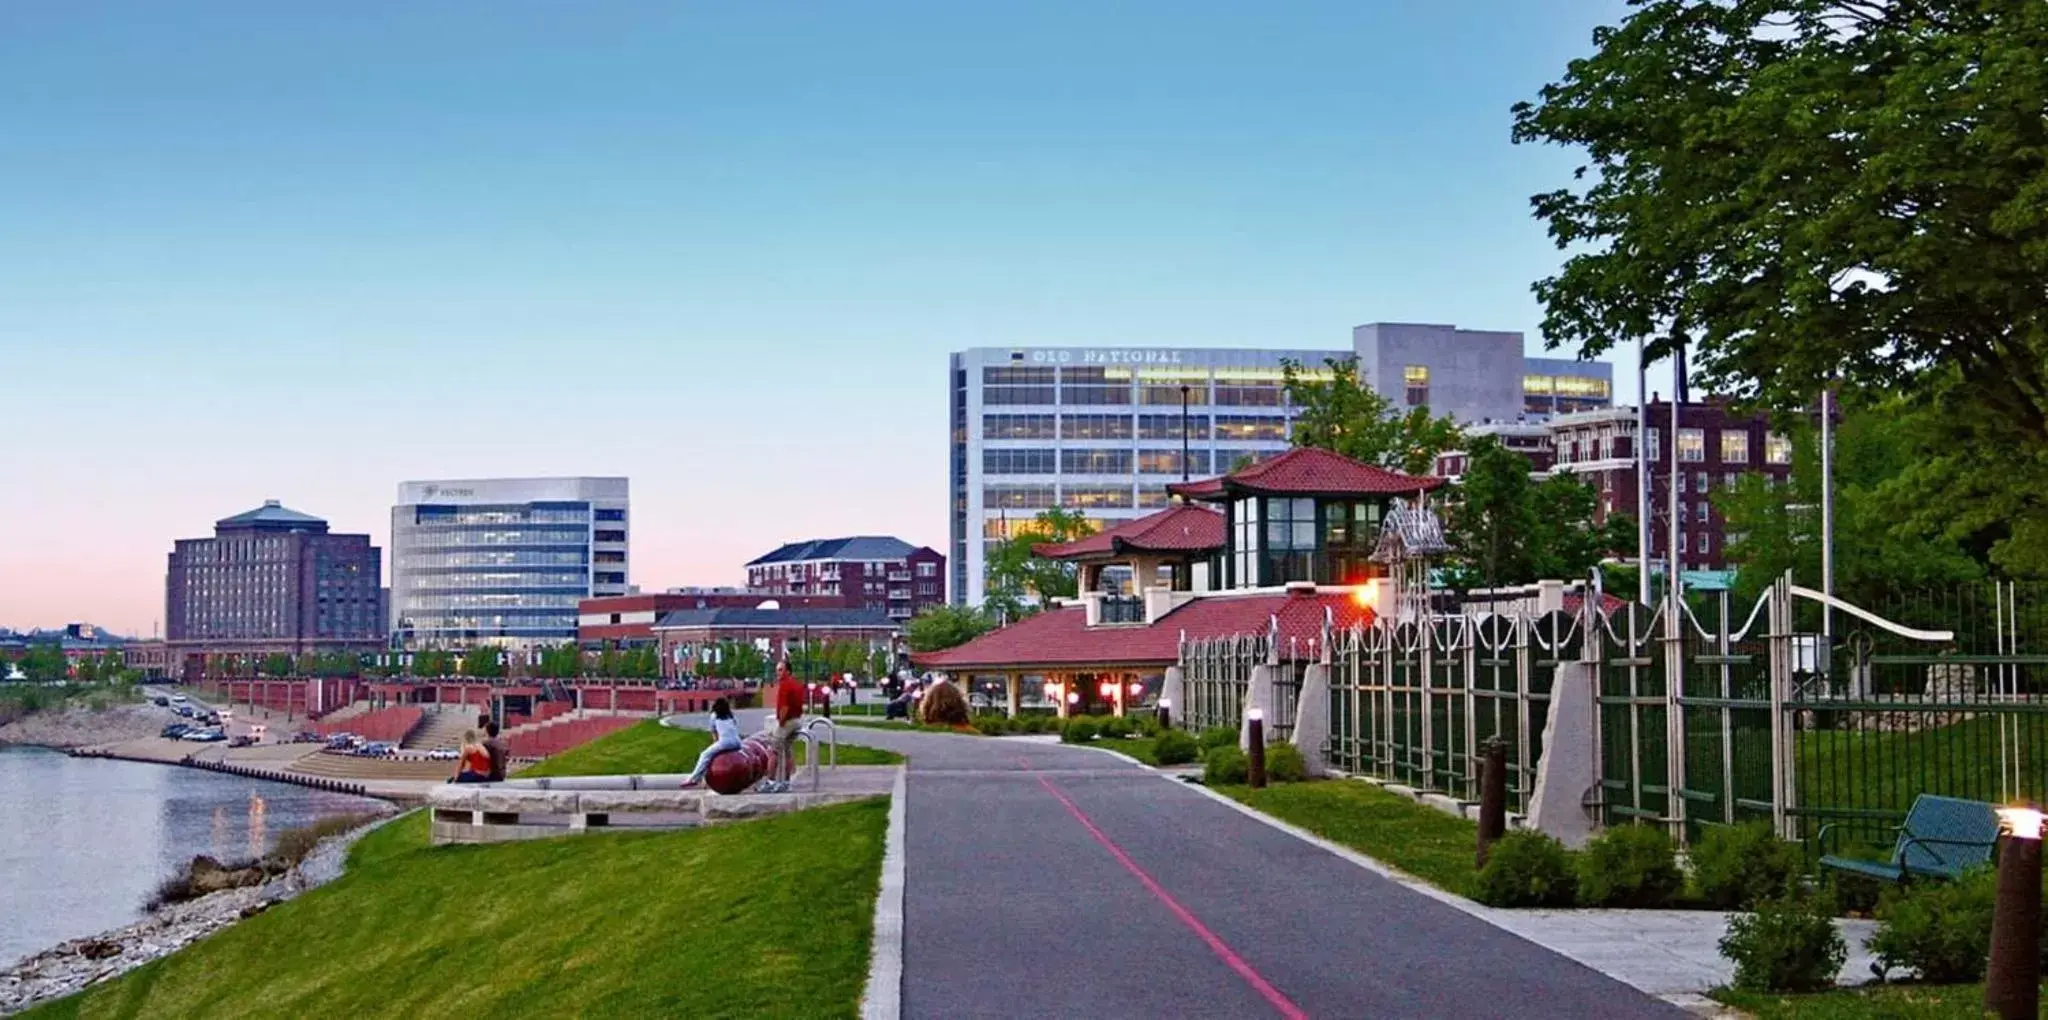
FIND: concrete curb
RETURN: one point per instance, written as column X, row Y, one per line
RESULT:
column 883, row 997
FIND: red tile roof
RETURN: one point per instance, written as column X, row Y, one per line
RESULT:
column 1307, row 471
column 1182, row 528
column 1061, row 638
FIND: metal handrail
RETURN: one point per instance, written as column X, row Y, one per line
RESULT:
column 832, row 729
column 810, row 757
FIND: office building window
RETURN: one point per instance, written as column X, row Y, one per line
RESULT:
column 1654, row 453
column 1169, row 394
column 1019, row 462
column 1730, row 480
column 1416, row 379
column 1734, row 447
column 1016, row 384
column 1684, row 542
column 1167, row 462
column 1777, row 449
column 1152, row 497
column 1017, row 426
column 1702, row 483
column 1095, row 497
column 1094, row 386
column 1096, row 426
column 1095, row 462
column 1681, row 481
column 1701, row 516
column 1249, row 393
column 1245, row 427
column 1692, row 444
column 1167, row 426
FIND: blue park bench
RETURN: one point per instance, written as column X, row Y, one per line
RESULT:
column 1942, row 838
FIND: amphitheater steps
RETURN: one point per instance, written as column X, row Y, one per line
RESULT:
column 334, row 765
column 442, row 728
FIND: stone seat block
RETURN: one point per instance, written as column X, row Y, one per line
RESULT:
column 452, row 798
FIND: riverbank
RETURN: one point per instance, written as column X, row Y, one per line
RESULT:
column 81, row 963
column 81, row 726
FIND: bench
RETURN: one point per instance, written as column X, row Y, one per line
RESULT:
column 1941, row 838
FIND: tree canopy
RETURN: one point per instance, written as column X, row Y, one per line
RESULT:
column 939, row 627
column 1505, row 528
column 1345, row 414
column 1824, row 192
column 1017, row 579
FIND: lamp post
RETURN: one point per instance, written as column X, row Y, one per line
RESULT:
column 1165, row 714
column 1183, row 432
column 1255, row 755
column 2012, row 984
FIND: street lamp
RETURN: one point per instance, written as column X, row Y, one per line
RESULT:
column 2012, row 984
column 1165, row 714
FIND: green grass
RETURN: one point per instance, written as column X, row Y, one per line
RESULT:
column 1137, row 747
column 1885, row 771
column 1391, row 829
column 1884, row 1002
column 650, row 747
column 761, row 918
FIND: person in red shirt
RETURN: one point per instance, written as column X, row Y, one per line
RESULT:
column 790, row 697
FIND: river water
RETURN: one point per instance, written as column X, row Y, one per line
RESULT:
column 84, row 841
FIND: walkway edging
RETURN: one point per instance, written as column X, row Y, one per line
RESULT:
column 883, row 997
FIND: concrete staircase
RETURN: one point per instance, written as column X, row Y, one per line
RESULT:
column 335, row 765
column 348, row 711
column 442, row 728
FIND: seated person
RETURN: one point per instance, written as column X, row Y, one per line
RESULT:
column 725, row 732
column 474, row 761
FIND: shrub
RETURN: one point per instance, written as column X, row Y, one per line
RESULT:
column 991, row 726
column 1788, row 944
column 1077, row 731
column 1940, row 929
column 943, row 705
column 1223, row 766
column 1115, row 726
column 294, row 844
column 1145, row 724
column 1284, row 764
column 1737, row 866
column 1527, row 869
column 1034, row 724
column 1629, row 866
column 1175, row 747
column 1218, row 736
column 1856, row 894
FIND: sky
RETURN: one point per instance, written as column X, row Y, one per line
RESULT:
column 252, row 250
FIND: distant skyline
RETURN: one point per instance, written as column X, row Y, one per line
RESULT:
column 255, row 251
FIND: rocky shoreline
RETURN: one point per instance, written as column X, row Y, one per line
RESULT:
column 80, row 963
column 72, row 727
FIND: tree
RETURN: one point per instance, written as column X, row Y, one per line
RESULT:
column 1018, row 579
column 560, row 662
column 737, row 660
column 939, row 627
column 483, row 662
column 1505, row 529
column 1824, row 192
column 1345, row 414
column 434, row 662
column 277, row 664
column 1882, row 544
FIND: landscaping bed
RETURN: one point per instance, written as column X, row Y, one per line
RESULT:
column 766, row 918
column 651, row 747
column 1890, row 1002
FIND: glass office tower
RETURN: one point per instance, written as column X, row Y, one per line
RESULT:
column 503, row 561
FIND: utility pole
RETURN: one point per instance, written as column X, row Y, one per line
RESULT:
column 1642, row 475
column 1827, row 509
column 1677, row 508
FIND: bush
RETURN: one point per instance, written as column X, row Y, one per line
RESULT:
column 991, row 725
column 1115, row 726
column 1788, row 944
column 1856, row 894
column 1940, row 929
column 1145, row 724
column 1737, row 866
column 1217, row 736
column 1175, row 747
column 1527, row 869
column 1629, row 866
column 1077, row 731
column 1284, row 764
column 294, row 844
column 943, row 705
column 1223, row 766
column 1034, row 724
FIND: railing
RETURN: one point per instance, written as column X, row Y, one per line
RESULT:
column 1122, row 609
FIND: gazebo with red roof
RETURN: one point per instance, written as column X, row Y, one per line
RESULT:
column 1291, row 547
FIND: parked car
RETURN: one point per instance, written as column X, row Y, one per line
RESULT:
column 210, row 718
column 305, row 737
column 178, row 699
column 378, row 749
column 340, row 741
column 443, row 754
column 174, row 731
column 204, row 736
column 184, row 710
column 160, row 701
column 242, row 741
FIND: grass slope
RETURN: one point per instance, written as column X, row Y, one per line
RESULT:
column 1885, row 771
column 651, row 747
column 768, row 918
column 1136, row 747
column 1888, row 1002
column 1393, row 830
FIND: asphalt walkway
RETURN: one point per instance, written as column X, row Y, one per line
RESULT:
column 1049, row 881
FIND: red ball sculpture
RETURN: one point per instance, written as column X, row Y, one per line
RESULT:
column 735, row 771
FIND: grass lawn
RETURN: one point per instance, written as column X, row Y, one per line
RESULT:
column 1137, row 747
column 651, row 747
column 1885, row 771
column 1887, row 1002
column 1391, row 829
column 761, row 918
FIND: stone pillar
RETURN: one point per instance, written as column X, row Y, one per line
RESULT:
column 1060, row 700
column 1570, row 766
column 1174, row 691
column 1312, row 719
column 1259, row 695
column 1015, row 684
column 1122, row 686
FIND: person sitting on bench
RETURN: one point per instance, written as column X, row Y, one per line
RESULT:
column 725, row 732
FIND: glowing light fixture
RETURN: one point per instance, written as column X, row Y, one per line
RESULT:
column 2022, row 822
column 1256, row 715
column 1073, row 697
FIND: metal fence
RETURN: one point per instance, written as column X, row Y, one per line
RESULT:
column 1216, row 671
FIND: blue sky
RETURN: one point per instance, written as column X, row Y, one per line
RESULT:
column 257, row 250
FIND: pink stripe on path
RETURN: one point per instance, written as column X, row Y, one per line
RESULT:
column 1280, row 1002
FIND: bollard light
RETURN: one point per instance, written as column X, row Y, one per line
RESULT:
column 1165, row 714
column 2012, row 984
column 1493, row 795
column 1255, row 755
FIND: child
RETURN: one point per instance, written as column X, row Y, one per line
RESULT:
column 725, row 731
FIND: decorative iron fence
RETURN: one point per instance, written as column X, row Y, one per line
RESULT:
column 1216, row 672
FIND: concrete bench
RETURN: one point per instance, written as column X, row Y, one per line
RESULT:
column 540, row 808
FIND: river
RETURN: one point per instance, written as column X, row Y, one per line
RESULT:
column 84, row 841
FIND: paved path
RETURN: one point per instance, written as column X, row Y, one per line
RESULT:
column 1053, row 881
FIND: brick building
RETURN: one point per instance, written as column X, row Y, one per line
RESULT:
column 272, row 580
column 868, row 572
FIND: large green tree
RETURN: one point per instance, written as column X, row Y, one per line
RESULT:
column 1338, row 411
column 738, row 660
column 1506, row 528
column 1017, row 579
column 1824, row 192
column 483, row 662
column 939, row 627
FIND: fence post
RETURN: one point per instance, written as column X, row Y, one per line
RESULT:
column 1523, row 678
column 1781, row 678
column 1674, row 713
column 1428, row 662
column 1469, row 662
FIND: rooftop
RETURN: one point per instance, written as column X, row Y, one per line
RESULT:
column 1180, row 529
column 1306, row 471
column 272, row 516
column 858, row 547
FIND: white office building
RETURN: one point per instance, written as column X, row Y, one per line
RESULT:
column 503, row 561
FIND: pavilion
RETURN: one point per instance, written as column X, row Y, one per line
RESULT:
column 1290, row 547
